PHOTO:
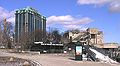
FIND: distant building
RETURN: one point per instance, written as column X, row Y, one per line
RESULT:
column 95, row 36
column 91, row 36
column 29, row 20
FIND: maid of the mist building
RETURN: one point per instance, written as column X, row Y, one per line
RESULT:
column 27, row 20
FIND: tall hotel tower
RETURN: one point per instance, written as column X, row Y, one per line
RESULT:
column 29, row 20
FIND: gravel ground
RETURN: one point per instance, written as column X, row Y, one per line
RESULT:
column 57, row 60
column 10, row 64
column 12, row 61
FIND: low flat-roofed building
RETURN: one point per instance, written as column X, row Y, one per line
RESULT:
column 110, row 45
column 107, row 45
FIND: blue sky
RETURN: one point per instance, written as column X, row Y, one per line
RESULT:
column 70, row 14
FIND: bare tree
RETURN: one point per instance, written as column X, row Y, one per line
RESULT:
column 5, row 34
column 1, row 35
column 9, row 34
column 56, row 36
column 38, row 35
column 28, row 38
column 25, row 40
column 65, row 37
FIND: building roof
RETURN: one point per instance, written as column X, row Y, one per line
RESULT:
column 29, row 10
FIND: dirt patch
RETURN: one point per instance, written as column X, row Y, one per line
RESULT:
column 12, row 61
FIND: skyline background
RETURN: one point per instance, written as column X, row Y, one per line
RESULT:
column 72, row 14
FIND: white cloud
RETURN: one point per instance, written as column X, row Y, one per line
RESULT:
column 92, row 1
column 75, row 21
column 114, row 5
column 11, row 19
column 66, row 18
column 4, row 13
column 68, row 21
column 71, row 27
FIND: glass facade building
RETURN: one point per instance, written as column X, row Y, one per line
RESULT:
column 29, row 20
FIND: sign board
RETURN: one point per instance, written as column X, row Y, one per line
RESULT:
column 78, row 50
column 38, row 42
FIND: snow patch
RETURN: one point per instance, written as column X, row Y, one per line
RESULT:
column 102, row 57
